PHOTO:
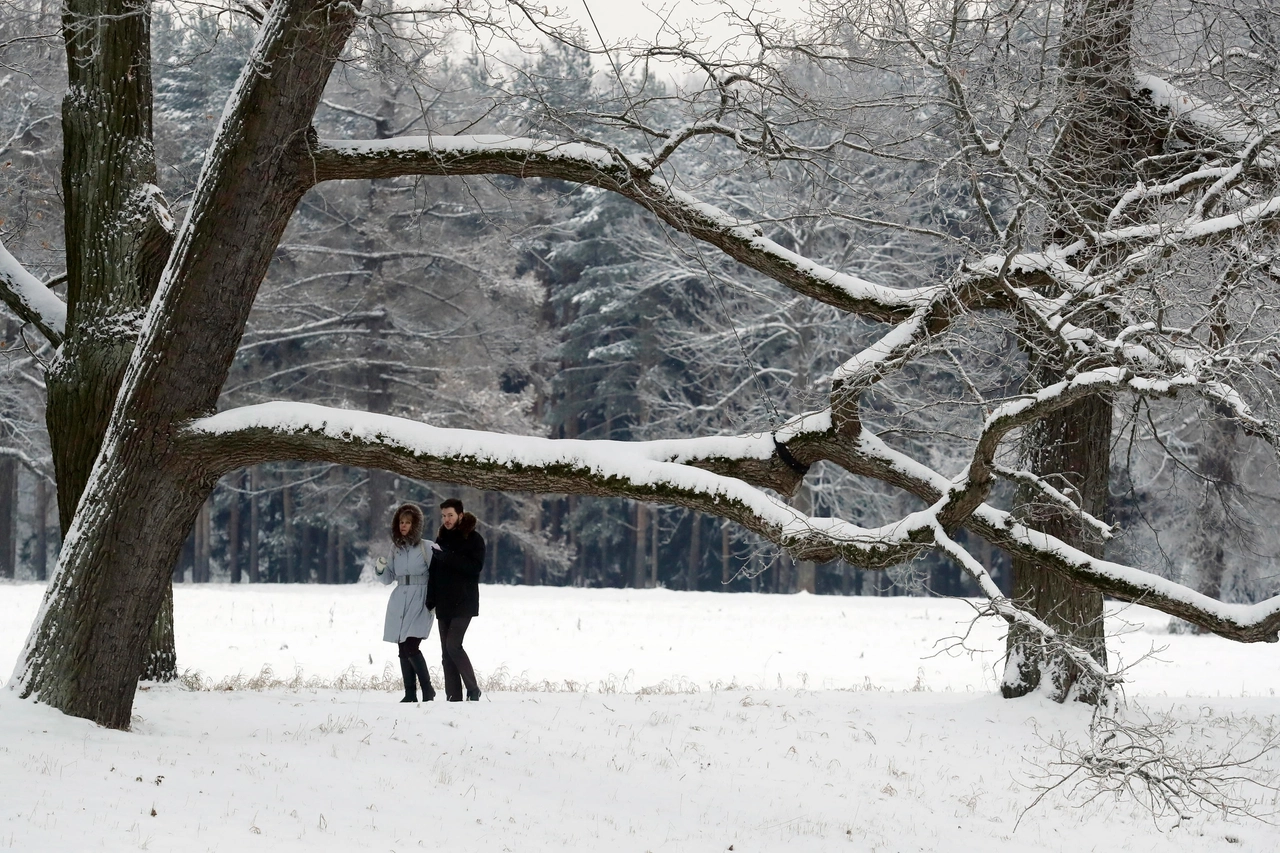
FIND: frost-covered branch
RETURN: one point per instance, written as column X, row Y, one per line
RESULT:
column 31, row 299
column 570, row 161
column 680, row 472
column 709, row 474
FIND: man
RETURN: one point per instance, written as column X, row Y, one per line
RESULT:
column 453, row 591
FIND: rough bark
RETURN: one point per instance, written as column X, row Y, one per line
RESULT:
column 116, row 228
column 1074, row 443
column 160, row 660
column 84, row 654
column 117, row 238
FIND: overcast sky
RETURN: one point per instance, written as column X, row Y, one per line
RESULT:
column 623, row 19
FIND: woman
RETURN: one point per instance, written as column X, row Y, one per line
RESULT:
column 408, row 621
column 454, row 594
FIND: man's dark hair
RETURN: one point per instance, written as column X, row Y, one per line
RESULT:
column 453, row 504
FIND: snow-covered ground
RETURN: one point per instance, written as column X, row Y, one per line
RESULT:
column 615, row 719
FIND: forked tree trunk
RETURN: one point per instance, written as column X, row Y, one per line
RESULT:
column 117, row 239
column 86, row 650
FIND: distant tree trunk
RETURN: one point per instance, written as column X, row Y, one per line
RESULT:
column 492, row 502
column 654, row 529
column 40, row 558
column 288, row 573
column 1212, row 524
column 178, row 573
column 725, row 574
column 530, row 574
column 233, row 527
column 8, row 517
column 255, row 524
column 695, row 551
column 639, row 564
column 306, row 554
column 806, row 571
column 200, row 568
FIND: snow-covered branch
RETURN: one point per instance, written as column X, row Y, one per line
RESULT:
column 629, row 177
column 693, row 473
column 30, row 299
column 679, row 472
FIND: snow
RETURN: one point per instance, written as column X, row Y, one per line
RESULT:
column 770, row 723
column 414, row 146
column 640, row 463
column 32, row 293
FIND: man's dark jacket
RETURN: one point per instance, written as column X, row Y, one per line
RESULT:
column 453, row 587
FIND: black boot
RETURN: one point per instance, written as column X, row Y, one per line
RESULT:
column 419, row 664
column 407, row 673
column 473, row 695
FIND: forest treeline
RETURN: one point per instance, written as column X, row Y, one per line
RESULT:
column 530, row 307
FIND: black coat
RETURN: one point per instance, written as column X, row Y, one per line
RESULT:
column 453, row 587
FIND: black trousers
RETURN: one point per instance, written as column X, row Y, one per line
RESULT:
column 457, row 666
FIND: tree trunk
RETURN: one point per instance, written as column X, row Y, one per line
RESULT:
column 86, row 650
column 160, row 661
column 654, row 528
column 40, row 557
column 1103, row 135
column 695, row 551
column 255, row 525
column 233, row 528
column 288, row 573
column 8, row 517
column 1212, row 523
column 117, row 234
column 725, row 575
column 200, row 572
column 1074, row 442
column 642, row 540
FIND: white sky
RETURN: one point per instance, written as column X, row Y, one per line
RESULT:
column 625, row 19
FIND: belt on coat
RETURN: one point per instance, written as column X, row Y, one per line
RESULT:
column 412, row 580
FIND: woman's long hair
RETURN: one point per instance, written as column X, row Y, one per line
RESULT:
column 415, row 531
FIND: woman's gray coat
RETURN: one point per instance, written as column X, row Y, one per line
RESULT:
column 407, row 614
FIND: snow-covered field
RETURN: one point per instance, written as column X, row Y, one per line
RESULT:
column 615, row 719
